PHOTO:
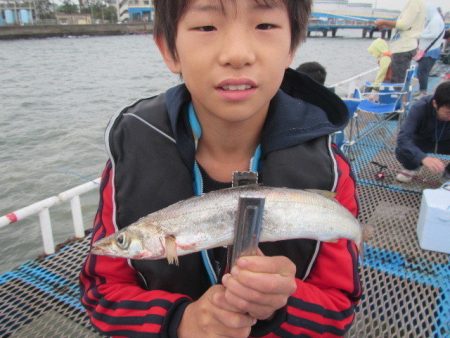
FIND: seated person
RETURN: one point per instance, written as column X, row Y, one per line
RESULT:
column 314, row 70
column 380, row 51
column 425, row 130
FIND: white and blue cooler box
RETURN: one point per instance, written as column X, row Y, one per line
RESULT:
column 433, row 225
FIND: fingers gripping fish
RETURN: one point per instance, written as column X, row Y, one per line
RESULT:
column 207, row 222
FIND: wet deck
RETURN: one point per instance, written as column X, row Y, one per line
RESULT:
column 407, row 289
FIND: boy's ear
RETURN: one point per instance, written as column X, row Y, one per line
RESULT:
column 172, row 63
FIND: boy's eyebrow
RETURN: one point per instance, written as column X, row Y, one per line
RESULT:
column 205, row 8
column 266, row 5
column 257, row 5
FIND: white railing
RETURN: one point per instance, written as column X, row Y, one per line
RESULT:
column 353, row 82
column 42, row 208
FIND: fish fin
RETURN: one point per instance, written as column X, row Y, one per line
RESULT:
column 171, row 249
column 325, row 193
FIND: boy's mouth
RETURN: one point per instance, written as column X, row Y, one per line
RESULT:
column 236, row 87
column 236, row 90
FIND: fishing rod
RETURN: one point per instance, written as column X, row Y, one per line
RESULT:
column 381, row 175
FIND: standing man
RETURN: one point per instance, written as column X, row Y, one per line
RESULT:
column 425, row 130
column 430, row 42
column 403, row 45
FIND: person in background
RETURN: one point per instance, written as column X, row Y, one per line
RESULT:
column 240, row 107
column 380, row 51
column 314, row 70
column 430, row 40
column 403, row 45
column 425, row 130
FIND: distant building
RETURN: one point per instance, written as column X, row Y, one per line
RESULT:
column 73, row 19
column 134, row 10
column 17, row 12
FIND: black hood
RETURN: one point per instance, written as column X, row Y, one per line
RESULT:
column 301, row 110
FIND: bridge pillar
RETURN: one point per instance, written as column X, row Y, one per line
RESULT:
column 325, row 32
column 333, row 32
column 364, row 33
column 309, row 33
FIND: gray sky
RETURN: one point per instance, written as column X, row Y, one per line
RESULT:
column 398, row 4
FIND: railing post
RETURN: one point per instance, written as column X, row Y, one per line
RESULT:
column 46, row 231
column 77, row 216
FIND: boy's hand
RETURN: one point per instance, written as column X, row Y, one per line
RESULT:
column 212, row 316
column 435, row 165
column 260, row 285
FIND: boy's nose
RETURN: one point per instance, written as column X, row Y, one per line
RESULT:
column 236, row 50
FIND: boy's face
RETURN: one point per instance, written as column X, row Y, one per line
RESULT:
column 232, row 59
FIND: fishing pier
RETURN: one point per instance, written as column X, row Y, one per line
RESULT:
column 331, row 23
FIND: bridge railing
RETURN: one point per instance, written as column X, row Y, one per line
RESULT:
column 42, row 209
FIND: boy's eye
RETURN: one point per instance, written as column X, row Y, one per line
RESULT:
column 265, row 26
column 206, row 28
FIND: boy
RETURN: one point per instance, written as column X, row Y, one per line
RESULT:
column 229, row 115
column 425, row 130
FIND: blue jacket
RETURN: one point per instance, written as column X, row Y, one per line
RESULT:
column 420, row 132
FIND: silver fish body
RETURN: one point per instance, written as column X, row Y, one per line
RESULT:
column 208, row 221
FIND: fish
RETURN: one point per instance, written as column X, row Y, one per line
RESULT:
column 207, row 221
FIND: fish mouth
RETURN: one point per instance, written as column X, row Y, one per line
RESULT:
column 101, row 247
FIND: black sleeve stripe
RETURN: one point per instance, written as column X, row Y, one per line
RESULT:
column 356, row 294
column 129, row 320
column 285, row 334
column 317, row 309
column 313, row 326
column 135, row 305
column 128, row 333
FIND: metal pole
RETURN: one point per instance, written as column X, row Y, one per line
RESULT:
column 46, row 231
column 77, row 217
column 92, row 12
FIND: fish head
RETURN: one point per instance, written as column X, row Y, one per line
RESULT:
column 131, row 242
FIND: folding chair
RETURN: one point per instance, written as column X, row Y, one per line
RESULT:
column 393, row 101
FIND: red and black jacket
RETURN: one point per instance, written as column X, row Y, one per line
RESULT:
column 151, row 159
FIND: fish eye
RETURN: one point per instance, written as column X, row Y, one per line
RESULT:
column 121, row 241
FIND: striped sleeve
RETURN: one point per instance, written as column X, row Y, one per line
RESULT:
column 115, row 303
column 323, row 304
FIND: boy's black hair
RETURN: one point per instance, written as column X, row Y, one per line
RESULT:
column 169, row 12
column 442, row 94
column 314, row 70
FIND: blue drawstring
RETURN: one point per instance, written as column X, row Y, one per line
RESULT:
column 198, row 181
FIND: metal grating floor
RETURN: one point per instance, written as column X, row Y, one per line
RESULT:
column 407, row 289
